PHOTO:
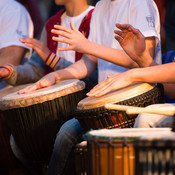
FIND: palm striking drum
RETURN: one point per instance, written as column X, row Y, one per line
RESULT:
column 35, row 118
column 155, row 154
column 112, row 151
column 92, row 114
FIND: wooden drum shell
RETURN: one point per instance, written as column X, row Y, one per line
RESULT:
column 113, row 151
column 155, row 154
column 34, row 126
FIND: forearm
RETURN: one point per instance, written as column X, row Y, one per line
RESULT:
column 115, row 56
column 155, row 74
column 81, row 69
column 24, row 74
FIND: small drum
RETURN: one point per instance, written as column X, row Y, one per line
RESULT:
column 111, row 151
column 35, row 118
column 92, row 114
column 155, row 154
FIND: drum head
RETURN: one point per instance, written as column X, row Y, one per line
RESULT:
column 14, row 100
column 115, row 96
column 10, row 89
column 164, row 136
column 126, row 133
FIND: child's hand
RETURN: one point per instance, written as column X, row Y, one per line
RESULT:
column 73, row 37
column 46, row 81
column 111, row 83
column 38, row 46
column 131, row 40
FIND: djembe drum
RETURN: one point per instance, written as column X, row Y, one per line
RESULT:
column 112, row 151
column 155, row 154
column 92, row 114
column 35, row 118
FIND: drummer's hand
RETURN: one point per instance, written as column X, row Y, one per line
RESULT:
column 131, row 40
column 73, row 37
column 46, row 81
column 111, row 83
column 38, row 46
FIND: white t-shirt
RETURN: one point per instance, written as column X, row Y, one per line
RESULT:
column 65, row 21
column 15, row 23
column 141, row 14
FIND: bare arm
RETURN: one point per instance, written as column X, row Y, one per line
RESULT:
column 154, row 74
column 138, row 48
column 120, row 57
column 12, row 55
column 134, row 46
column 78, row 70
column 115, row 56
column 79, row 43
column 81, row 69
column 157, row 74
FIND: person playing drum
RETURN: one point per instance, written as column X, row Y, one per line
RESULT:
column 107, row 13
column 46, row 58
column 131, row 38
column 46, row 50
column 133, row 42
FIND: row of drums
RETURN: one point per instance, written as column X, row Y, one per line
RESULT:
column 127, row 152
column 35, row 118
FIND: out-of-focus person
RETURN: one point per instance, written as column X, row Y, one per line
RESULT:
column 15, row 23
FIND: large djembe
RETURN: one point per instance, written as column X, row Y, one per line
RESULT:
column 35, row 118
